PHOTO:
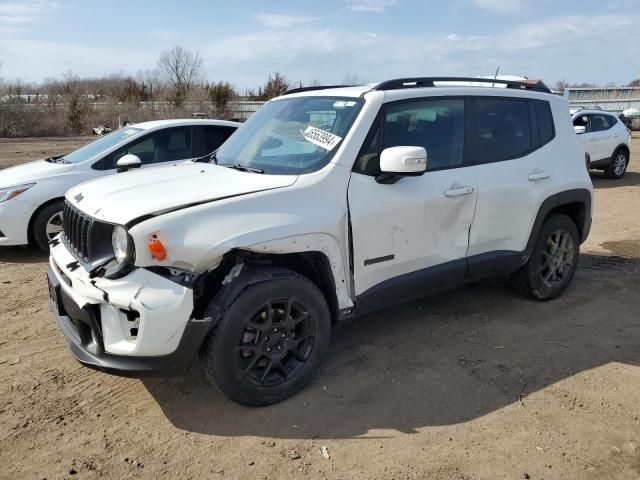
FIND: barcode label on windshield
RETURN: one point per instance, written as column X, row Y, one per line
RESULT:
column 321, row 138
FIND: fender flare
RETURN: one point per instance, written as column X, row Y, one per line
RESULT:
column 579, row 195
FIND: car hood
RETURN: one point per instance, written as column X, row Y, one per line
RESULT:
column 31, row 172
column 125, row 197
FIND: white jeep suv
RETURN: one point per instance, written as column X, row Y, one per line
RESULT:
column 327, row 203
column 605, row 138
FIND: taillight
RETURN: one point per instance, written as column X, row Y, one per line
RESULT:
column 587, row 161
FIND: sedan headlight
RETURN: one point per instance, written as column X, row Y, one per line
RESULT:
column 122, row 244
column 11, row 192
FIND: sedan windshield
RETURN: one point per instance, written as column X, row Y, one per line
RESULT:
column 290, row 136
column 92, row 149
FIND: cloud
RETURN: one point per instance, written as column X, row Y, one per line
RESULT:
column 306, row 51
column 376, row 6
column 50, row 59
column 277, row 20
column 162, row 35
column 327, row 54
column 500, row 6
column 16, row 16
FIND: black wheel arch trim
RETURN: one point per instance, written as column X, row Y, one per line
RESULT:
column 580, row 195
column 622, row 146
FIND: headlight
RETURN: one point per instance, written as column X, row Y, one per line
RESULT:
column 10, row 192
column 122, row 245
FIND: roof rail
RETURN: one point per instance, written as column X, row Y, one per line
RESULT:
column 422, row 82
column 311, row 89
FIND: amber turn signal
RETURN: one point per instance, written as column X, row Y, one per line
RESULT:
column 156, row 248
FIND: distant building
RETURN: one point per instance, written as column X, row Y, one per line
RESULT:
column 612, row 99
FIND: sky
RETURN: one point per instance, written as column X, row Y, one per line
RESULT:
column 331, row 41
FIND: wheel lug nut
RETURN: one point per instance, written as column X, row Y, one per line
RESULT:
column 268, row 349
column 284, row 335
column 275, row 330
column 279, row 347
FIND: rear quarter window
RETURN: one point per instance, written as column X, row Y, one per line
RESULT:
column 544, row 121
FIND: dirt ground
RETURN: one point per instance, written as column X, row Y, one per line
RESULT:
column 477, row 383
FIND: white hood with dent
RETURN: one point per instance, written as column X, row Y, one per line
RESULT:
column 31, row 172
column 123, row 197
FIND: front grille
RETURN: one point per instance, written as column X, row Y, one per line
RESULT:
column 77, row 231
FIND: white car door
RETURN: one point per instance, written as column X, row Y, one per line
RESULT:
column 600, row 135
column 590, row 140
column 411, row 236
column 515, row 165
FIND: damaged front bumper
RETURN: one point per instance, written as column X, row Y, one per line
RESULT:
column 138, row 324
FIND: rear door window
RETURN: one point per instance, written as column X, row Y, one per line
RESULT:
column 600, row 123
column 503, row 129
column 207, row 138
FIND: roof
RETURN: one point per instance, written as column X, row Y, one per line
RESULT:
column 183, row 122
column 591, row 111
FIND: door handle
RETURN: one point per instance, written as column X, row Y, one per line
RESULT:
column 458, row 191
column 538, row 175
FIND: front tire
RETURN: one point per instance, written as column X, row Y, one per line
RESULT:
column 270, row 341
column 618, row 165
column 47, row 224
column 553, row 261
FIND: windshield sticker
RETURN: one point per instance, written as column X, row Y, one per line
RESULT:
column 321, row 138
column 343, row 104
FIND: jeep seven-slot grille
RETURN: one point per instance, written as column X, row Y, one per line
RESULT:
column 77, row 231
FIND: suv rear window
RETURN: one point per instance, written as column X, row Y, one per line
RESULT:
column 544, row 120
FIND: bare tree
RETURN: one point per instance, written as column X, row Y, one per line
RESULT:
column 352, row 79
column 181, row 70
column 151, row 82
column 276, row 85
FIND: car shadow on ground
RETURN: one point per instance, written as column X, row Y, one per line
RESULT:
column 630, row 179
column 24, row 254
column 440, row 360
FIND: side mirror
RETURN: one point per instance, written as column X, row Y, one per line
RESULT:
column 128, row 162
column 580, row 129
column 397, row 162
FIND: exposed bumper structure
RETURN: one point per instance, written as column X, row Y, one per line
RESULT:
column 136, row 325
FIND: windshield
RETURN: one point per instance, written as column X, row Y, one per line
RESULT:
column 92, row 149
column 291, row 136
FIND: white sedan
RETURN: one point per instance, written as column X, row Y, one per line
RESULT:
column 32, row 194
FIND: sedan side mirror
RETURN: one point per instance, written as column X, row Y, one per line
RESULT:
column 397, row 162
column 580, row 129
column 128, row 162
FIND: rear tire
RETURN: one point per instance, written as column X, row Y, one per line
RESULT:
column 618, row 165
column 270, row 341
column 553, row 261
column 47, row 224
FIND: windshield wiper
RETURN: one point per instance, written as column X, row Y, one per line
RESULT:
column 58, row 159
column 244, row 168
